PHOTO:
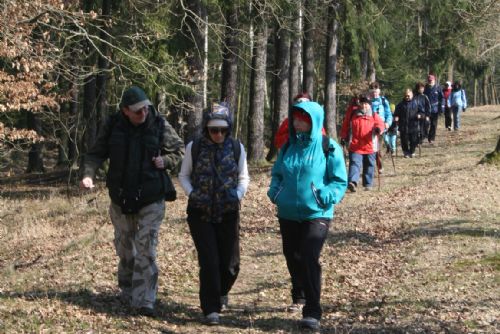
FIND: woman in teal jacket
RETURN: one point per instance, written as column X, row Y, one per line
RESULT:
column 308, row 179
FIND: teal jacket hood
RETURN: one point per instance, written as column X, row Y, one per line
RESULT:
column 306, row 181
column 317, row 115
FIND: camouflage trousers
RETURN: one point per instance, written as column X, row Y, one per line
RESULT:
column 136, row 239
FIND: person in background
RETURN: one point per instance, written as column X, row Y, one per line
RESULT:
column 424, row 107
column 140, row 144
column 282, row 133
column 214, row 175
column 458, row 103
column 407, row 116
column 360, row 131
column 446, row 106
column 435, row 95
column 381, row 106
column 392, row 134
column 306, row 183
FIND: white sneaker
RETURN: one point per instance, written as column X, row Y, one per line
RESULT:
column 295, row 308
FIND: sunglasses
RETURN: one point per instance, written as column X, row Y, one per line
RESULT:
column 214, row 130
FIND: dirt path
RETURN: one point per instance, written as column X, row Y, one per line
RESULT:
column 419, row 256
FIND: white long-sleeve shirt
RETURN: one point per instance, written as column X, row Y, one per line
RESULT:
column 187, row 169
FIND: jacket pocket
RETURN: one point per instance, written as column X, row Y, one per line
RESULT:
column 316, row 196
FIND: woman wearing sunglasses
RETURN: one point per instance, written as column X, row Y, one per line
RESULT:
column 214, row 175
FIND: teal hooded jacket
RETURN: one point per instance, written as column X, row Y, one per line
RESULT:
column 305, row 183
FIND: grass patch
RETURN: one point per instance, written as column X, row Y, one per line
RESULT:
column 492, row 261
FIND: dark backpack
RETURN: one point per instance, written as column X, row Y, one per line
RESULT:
column 195, row 149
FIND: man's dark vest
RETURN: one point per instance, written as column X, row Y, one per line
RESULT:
column 131, row 150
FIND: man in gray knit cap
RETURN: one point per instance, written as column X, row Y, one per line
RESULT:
column 140, row 145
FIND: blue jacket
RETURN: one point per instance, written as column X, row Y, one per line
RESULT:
column 457, row 99
column 305, row 184
column 381, row 106
column 435, row 96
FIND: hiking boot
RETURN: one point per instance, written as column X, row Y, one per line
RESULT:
column 212, row 319
column 380, row 170
column 406, row 156
column 413, row 155
column 352, row 187
column 295, row 308
column 146, row 312
column 310, row 323
column 448, row 128
column 368, row 188
column 224, row 302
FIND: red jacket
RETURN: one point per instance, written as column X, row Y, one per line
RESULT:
column 446, row 94
column 359, row 130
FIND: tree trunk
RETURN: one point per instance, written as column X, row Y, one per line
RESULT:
column 89, row 113
column 103, row 67
column 281, row 86
column 73, row 153
column 295, row 58
column 331, row 71
column 229, row 79
column 363, row 56
column 485, row 90
column 194, row 101
column 372, row 71
column 475, row 91
column 255, row 119
column 89, row 92
column 308, row 45
column 451, row 67
column 35, row 155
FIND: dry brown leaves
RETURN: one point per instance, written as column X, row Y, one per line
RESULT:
column 419, row 256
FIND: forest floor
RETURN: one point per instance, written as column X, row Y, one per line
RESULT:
column 420, row 255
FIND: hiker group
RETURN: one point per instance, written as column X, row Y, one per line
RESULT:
column 308, row 179
column 369, row 122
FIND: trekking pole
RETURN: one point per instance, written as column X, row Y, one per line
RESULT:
column 378, row 170
column 378, row 162
column 393, row 164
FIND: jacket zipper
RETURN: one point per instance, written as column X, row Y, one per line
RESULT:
column 314, row 191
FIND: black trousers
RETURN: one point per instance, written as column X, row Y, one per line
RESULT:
column 409, row 141
column 434, row 123
column 447, row 117
column 218, row 247
column 302, row 244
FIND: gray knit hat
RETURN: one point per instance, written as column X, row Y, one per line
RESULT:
column 134, row 98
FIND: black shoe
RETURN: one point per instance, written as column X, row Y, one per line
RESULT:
column 352, row 187
column 146, row 312
column 310, row 323
column 212, row 319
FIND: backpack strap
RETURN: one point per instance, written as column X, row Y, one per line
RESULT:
column 236, row 149
column 195, row 150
